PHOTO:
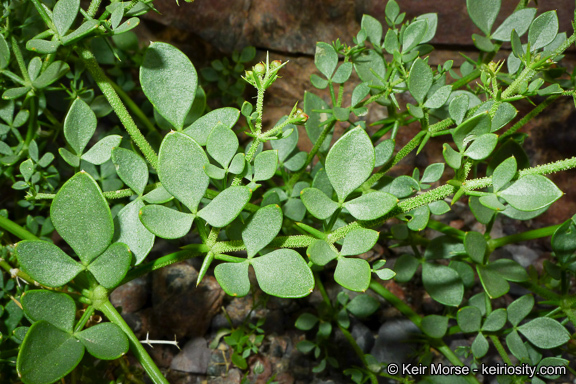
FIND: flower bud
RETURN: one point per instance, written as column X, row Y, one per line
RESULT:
column 260, row 69
column 275, row 64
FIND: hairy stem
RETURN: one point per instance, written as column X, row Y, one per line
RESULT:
column 135, row 346
column 107, row 89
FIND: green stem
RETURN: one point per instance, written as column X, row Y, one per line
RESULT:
column 93, row 7
column 15, row 229
column 135, row 346
column 446, row 229
column 32, row 122
column 133, row 107
column 500, row 349
column 107, row 89
column 19, row 273
column 359, row 353
column 84, row 319
column 524, row 236
column 322, row 290
column 20, row 60
column 540, row 291
column 532, row 114
column 569, row 312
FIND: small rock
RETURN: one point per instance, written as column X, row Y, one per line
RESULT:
column 522, row 254
column 395, row 342
column 131, row 296
column 194, row 357
column 181, row 307
column 363, row 336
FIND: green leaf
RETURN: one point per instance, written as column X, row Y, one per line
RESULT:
column 294, row 209
column 359, row 241
column 483, row 43
column 85, row 29
column 458, row 108
column 180, row 169
column 233, row 278
column 373, row 29
column 342, row 73
column 391, row 43
column 56, row 308
column 47, row 354
column 14, row 93
column 54, row 71
column 469, row 319
column 326, row 59
column 383, row 152
column 165, row 222
column 504, row 173
column 63, row 15
column 296, row 162
column 509, row 269
column 531, row 192
column 439, row 98
column 318, row 82
column 475, row 245
column 518, row 50
column 439, row 207
column 42, row 46
column 371, row 205
column 353, row 274
column 413, row 35
column 482, row 147
column 283, row 273
column 102, row 150
column 519, row 309
column 226, row 206
column 517, row 346
column 443, row 284
column 363, row 306
column 214, row 172
column 130, row 231
column 317, row 203
column 262, row 227
column 405, row 268
column 432, row 23
column 237, row 165
column 321, row 253
column 347, row 173
column 545, row 333
column 518, row 21
column 477, row 125
column 159, row 195
column 494, row 284
column 81, row 216
column 79, row 125
column 104, row 341
column 483, row 13
column 543, row 30
column 370, row 67
column 306, row 321
column 265, row 165
column 444, row 247
column 131, row 168
column 492, row 202
column 480, row 346
column 169, row 81
column 201, row 128
column 4, row 53
column 420, row 80
column 432, row 173
column 392, row 10
column 222, row 144
column 495, row 320
column 69, row 157
column 453, row 158
column 434, row 326
column 111, row 267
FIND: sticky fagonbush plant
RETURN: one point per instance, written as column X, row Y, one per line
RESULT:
column 286, row 213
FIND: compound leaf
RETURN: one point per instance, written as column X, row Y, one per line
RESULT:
column 283, row 273
column 110, row 267
column 226, row 206
column 104, row 341
column 56, row 308
column 531, row 192
column 353, row 274
column 233, row 278
column 262, row 228
column 131, row 168
column 165, row 222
